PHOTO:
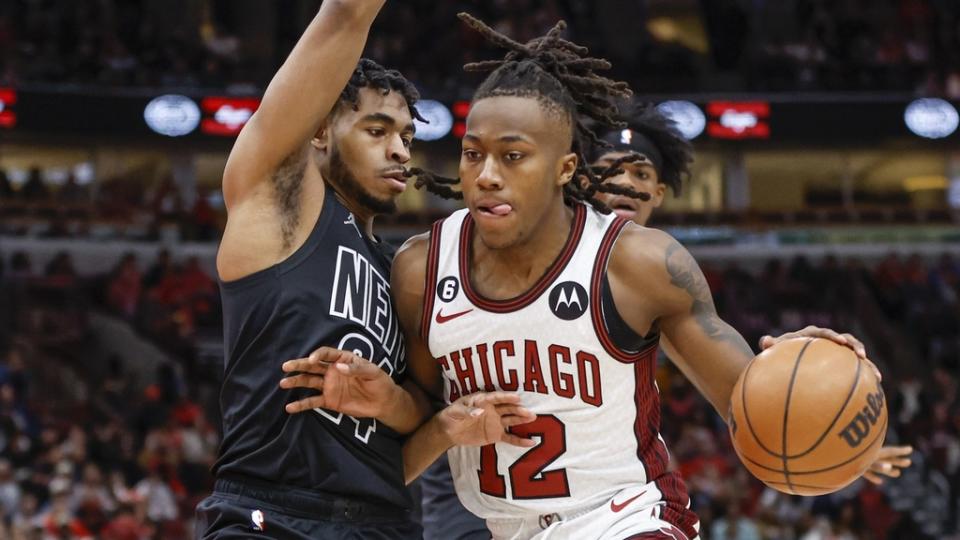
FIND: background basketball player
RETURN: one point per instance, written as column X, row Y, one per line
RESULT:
column 661, row 158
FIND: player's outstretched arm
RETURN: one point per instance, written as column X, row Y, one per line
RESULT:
column 660, row 280
column 660, row 276
column 301, row 94
column 475, row 420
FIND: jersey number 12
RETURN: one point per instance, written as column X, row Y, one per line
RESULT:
column 528, row 480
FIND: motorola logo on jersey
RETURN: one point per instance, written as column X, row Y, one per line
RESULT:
column 448, row 289
column 569, row 300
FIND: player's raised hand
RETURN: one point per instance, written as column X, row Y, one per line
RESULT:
column 846, row 340
column 889, row 463
column 345, row 383
column 485, row 418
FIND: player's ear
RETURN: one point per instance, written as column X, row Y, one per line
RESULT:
column 567, row 168
column 658, row 193
column 321, row 139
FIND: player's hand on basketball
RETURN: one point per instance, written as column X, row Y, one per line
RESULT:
column 846, row 340
column 889, row 463
column 485, row 418
column 346, row 383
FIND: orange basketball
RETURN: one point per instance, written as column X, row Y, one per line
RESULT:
column 808, row 416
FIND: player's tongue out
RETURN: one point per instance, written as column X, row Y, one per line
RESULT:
column 500, row 209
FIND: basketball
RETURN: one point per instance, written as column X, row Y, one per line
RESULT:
column 808, row 417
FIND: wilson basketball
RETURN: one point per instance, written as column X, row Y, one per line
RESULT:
column 808, row 417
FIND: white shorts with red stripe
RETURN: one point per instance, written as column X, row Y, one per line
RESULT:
column 633, row 514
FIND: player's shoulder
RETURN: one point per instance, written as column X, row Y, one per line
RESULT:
column 639, row 245
column 410, row 262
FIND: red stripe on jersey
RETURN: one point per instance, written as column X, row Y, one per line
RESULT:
column 650, row 449
column 430, row 283
column 596, row 294
column 525, row 299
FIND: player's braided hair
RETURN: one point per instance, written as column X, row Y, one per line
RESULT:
column 370, row 74
column 561, row 76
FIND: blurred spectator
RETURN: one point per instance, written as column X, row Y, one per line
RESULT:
column 161, row 504
column 734, row 525
column 72, row 192
column 125, row 287
column 60, row 270
column 6, row 189
column 160, row 268
column 34, row 189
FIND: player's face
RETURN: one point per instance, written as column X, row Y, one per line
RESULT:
column 363, row 153
column 513, row 166
column 642, row 177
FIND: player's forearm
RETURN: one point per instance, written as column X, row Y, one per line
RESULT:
column 423, row 448
column 712, row 361
column 308, row 85
column 408, row 410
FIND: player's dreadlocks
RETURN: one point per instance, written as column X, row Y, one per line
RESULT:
column 674, row 153
column 370, row 74
column 561, row 76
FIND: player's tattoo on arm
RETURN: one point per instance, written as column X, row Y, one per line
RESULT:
column 288, row 182
column 686, row 274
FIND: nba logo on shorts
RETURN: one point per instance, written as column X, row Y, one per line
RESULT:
column 256, row 517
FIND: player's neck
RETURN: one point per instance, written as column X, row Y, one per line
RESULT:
column 502, row 273
column 364, row 216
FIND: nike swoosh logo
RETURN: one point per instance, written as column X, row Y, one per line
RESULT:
column 441, row 318
column 618, row 507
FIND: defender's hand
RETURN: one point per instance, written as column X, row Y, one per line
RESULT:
column 484, row 418
column 889, row 463
column 846, row 340
column 346, row 383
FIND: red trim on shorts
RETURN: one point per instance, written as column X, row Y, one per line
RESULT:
column 676, row 511
column 525, row 299
column 430, row 283
column 596, row 295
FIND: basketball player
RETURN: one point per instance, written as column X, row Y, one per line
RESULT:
column 300, row 269
column 531, row 290
column 659, row 158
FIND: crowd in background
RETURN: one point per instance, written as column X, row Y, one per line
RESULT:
column 89, row 448
column 84, row 454
column 120, row 208
column 764, row 45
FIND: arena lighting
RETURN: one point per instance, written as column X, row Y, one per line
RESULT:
column 461, row 110
column 225, row 116
column 931, row 118
column 689, row 118
column 8, row 98
column 172, row 115
column 439, row 117
column 739, row 120
column 953, row 194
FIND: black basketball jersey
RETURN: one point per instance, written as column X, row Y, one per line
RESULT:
column 334, row 291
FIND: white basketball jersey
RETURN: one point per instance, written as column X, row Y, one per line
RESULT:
column 598, row 407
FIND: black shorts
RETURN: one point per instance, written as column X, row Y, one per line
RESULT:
column 242, row 509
